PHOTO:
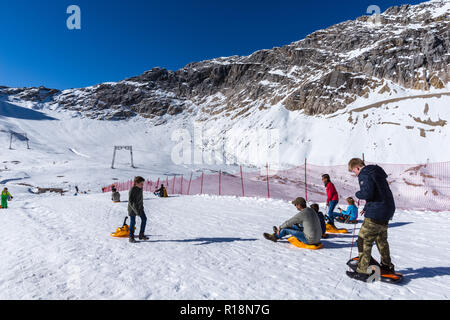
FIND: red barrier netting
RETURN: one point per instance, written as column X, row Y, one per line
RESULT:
column 415, row 187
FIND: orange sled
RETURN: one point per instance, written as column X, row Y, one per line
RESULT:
column 123, row 231
column 331, row 229
column 295, row 242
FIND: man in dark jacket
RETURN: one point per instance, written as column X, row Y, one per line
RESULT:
column 379, row 209
column 136, row 208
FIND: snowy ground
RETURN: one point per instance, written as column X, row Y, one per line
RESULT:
column 200, row 247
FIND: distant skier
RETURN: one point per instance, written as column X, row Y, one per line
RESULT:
column 315, row 207
column 332, row 197
column 136, row 208
column 161, row 192
column 305, row 225
column 115, row 196
column 5, row 197
column 379, row 209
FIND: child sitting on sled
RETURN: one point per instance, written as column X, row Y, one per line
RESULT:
column 115, row 196
column 315, row 207
column 305, row 225
column 346, row 216
column 351, row 214
column 161, row 192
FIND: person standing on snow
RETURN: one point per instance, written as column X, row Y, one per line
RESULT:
column 5, row 197
column 379, row 209
column 332, row 197
column 136, row 208
column 305, row 225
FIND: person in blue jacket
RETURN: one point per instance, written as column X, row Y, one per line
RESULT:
column 351, row 214
column 378, row 210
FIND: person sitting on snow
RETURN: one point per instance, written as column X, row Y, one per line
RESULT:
column 351, row 214
column 332, row 197
column 305, row 225
column 161, row 192
column 115, row 197
column 5, row 197
column 315, row 207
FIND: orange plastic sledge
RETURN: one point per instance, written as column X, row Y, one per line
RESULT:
column 295, row 242
column 331, row 229
column 123, row 231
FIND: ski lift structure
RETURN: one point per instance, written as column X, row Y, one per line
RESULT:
column 118, row 148
column 19, row 136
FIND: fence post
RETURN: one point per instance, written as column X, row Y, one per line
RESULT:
column 242, row 183
column 268, row 190
column 182, row 177
column 306, row 183
column 220, row 182
column 201, row 186
column 189, row 187
column 363, row 156
column 157, row 184
column 173, row 185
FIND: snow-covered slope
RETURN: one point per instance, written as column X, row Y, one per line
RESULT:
column 59, row 248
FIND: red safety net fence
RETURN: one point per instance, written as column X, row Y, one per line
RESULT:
column 415, row 187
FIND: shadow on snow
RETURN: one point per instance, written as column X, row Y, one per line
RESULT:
column 9, row 110
column 206, row 240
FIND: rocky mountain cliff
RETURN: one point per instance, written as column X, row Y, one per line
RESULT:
column 406, row 47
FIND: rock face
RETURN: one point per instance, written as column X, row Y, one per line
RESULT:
column 407, row 46
column 39, row 95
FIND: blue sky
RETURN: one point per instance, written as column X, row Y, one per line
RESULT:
column 120, row 39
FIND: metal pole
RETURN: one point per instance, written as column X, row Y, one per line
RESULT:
column 201, row 188
column 220, row 182
column 10, row 141
column 28, row 145
column 306, row 184
column 114, row 157
column 182, row 177
column 131, row 152
column 242, row 183
column 189, row 188
column 268, row 190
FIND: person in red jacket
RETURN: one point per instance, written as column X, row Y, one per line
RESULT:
column 332, row 197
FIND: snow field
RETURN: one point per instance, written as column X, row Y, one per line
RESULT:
column 200, row 247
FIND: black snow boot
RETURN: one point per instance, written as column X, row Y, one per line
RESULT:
column 143, row 237
column 270, row 237
column 358, row 276
column 132, row 240
column 387, row 269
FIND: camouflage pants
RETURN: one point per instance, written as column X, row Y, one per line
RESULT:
column 372, row 232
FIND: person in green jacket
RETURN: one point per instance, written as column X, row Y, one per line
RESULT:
column 5, row 196
column 136, row 208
